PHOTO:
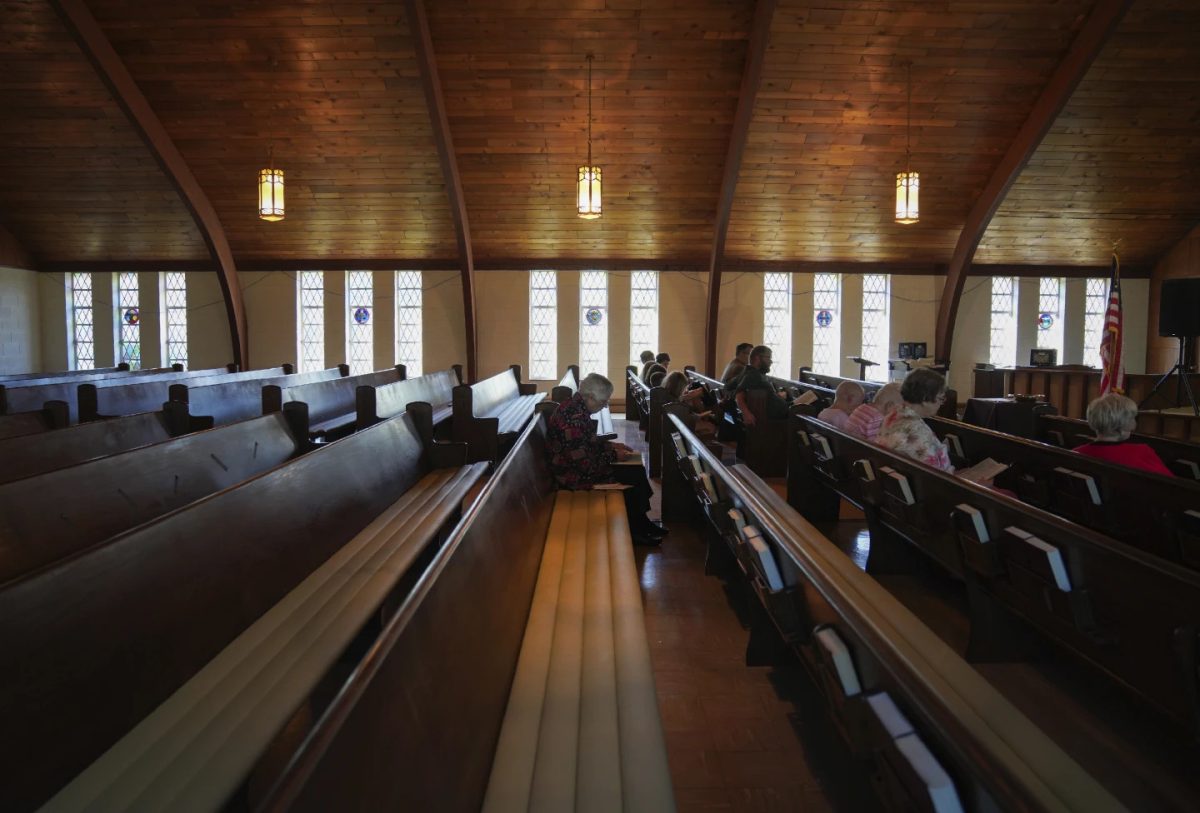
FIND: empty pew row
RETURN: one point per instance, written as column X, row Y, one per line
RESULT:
column 329, row 405
column 31, row 396
column 48, row 517
column 374, row 404
column 107, row 636
column 1154, row 512
column 489, row 415
column 203, row 405
column 568, row 386
column 108, row 399
column 28, row 455
column 544, row 701
column 122, row 371
column 52, row 415
column 1128, row 613
column 123, row 367
column 1182, row 457
column 1181, row 425
column 930, row 732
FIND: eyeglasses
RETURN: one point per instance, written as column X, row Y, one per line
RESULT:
column 941, row 399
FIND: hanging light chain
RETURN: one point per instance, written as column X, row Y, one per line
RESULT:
column 589, row 158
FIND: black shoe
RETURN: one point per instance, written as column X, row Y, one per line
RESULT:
column 657, row 529
column 640, row 540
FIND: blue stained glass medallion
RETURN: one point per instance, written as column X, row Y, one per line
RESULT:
column 594, row 316
column 362, row 315
column 131, row 316
column 1045, row 321
column 824, row 318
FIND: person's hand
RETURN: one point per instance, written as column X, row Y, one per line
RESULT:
column 704, row 414
column 748, row 418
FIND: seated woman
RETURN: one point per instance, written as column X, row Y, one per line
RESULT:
column 699, row 418
column 905, row 431
column 581, row 461
column 1113, row 417
column 867, row 419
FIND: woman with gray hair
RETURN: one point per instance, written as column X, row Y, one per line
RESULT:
column 581, row 461
column 1113, row 417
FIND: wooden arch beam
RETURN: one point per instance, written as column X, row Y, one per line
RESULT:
column 12, row 253
column 756, row 52
column 432, row 85
column 95, row 45
column 1096, row 30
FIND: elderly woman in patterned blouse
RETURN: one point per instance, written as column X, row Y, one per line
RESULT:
column 905, row 431
column 580, row 460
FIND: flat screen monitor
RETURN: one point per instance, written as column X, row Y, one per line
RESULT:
column 911, row 350
column 1043, row 357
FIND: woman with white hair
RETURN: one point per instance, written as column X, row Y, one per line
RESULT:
column 580, row 460
column 1113, row 417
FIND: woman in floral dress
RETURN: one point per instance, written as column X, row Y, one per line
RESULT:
column 905, row 431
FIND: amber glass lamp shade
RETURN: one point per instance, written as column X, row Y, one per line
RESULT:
column 908, row 187
column 589, row 193
column 270, row 194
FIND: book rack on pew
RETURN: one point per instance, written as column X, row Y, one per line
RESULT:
column 930, row 732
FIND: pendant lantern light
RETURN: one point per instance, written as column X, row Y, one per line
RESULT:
column 908, row 183
column 270, row 191
column 588, row 197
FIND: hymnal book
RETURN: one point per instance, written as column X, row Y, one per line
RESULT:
column 866, row 470
column 766, row 561
column 739, row 521
column 839, row 656
column 806, row 397
column 1084, row 479
column 631, row 459
column 822, row 447
column 900, row 482
column 942, row 796
column 1054, row 562
column 694, row 464
column 973, row 519
column 804, row 438
column 890, row 717
column 982, row 471
column 710, row 488
column 680, row 446
column 1191, row 466
column 954, row 445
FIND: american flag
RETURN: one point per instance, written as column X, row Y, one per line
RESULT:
column 1112, row 340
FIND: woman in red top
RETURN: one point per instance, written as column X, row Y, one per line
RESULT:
column 1112, row 417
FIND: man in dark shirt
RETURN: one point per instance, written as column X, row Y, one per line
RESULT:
column 735, row 368
column 755, row 378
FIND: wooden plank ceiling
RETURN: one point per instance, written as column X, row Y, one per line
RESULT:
column 334, row 88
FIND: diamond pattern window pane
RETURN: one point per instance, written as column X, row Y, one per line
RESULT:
column 1050, row 301
column 409, row 301
column 128, row 319
column 543, row 325
column 1003, row 347
column 82, row 332
column 311, row 320
column 876, row 319
column 827, row 328
column 1094, row 307
column 174, row 297
column 360, row 322
column 643, row 315
column 777, row 321
column 593, row 323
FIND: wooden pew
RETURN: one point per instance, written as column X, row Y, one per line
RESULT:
column 1181, row 457
column 103, row 400
column 6, row 378
column 48, row 517
column 567, row 387
column 331, row 404
column 1126, row 612
column 948, row 409
column 432, row 720
column 764, row 445
column 632, row 409
column 28, row 455
column 374, row 404
column 868, row 655
column 489, row 415
column 80, row 376
column 28, row 396
column 1149, row 511
column 108, row 635
column 52, row 415
column 192, row 408
column 650, row 401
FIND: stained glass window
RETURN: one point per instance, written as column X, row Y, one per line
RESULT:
column 777, row 321
column 643, row 315
column 827, row 327
column 129, row 320
column 1003, row 347
column 83, row 322
column 1095, row 304
column 173, row 295
column 360, row 322
column 543, row 325
column 876, row 319
column 593, row 323
column 310, row 321
column 409, row 347
column 1050, row 314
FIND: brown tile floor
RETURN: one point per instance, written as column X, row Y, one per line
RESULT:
column 739, row 738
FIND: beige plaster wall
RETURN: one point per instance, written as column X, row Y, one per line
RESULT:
column 20, row 321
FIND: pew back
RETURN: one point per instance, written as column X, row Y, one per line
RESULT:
column 331, row 404
column 28, row 455
column 378, row 403
column 109, row 400
column 1181, row 456
column 220, row 403
column 54, row 415
column 106, row 636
